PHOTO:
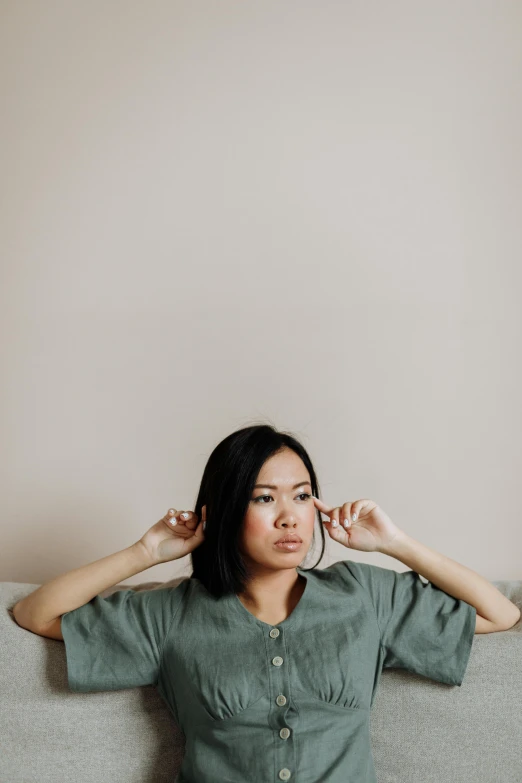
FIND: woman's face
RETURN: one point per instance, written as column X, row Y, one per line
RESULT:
column 273, row 512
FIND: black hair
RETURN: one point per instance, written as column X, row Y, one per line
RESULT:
column 226, row 489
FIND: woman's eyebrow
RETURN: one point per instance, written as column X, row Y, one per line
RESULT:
column 272, row 486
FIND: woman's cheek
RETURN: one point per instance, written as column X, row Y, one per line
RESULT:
column 258, row 524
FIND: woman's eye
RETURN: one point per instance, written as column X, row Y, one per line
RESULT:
column 302, row 495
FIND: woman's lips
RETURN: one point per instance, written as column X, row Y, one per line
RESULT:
column 289, row 546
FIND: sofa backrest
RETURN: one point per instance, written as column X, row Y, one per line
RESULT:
column 420, row 729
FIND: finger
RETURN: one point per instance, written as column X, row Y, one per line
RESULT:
column 334, row 519
column 335, row 531
column 322, row 506
column 334, row 516
column 200, row 530
column 332, row 511
column 347, row 516
column 170, row 517
column 189, row 519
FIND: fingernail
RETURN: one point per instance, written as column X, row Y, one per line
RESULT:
column 173, row 521
column 346, row 523
column 185, row 515
column 354, row 517
column 335, row 523
column 204, row 524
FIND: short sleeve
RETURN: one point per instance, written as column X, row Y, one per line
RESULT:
column 423, row 629
column 116, row 642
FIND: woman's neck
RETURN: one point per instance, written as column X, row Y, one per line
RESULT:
column 274, row 595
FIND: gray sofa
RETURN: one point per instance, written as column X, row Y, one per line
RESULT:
column 422, row 731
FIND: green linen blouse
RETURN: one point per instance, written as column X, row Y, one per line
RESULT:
column 259, row 703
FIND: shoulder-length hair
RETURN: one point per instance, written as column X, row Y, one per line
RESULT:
column 226, row 489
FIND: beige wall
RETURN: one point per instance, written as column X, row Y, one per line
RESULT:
column 216, row 213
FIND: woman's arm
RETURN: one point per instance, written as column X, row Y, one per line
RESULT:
column 44, row 606
column 495, row 612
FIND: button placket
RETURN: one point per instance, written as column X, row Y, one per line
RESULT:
column 278, row 662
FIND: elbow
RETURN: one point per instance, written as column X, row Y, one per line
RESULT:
column 517, row 616
column 17, row 614
column 502, row 623
column 22, row 616
column 511, row 620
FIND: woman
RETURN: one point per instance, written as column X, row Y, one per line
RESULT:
column 269, row 668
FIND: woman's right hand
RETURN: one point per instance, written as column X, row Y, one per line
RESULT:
column 173, row 536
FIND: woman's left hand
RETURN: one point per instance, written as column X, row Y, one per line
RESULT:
column 372, row 530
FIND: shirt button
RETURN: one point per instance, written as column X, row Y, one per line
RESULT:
column 284, row 774
column 284, row 733
column 274, row 633
column 281, row 700
column 277, row 661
